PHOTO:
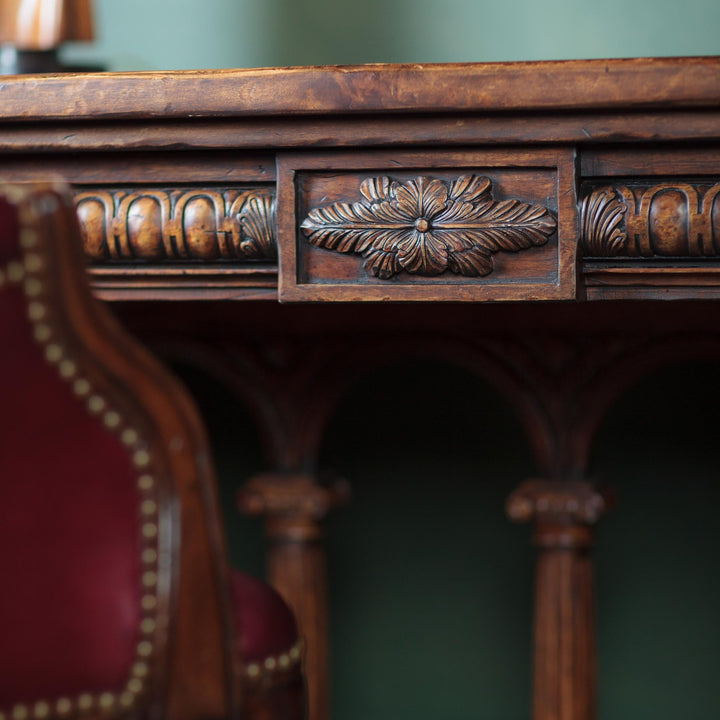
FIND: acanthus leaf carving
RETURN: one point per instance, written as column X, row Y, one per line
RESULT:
column 426, row 226
column 257, row 219
column 601, row 223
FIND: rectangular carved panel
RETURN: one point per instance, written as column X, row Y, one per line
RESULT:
column 454, row 226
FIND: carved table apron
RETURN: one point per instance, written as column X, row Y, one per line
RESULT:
column 530, row 195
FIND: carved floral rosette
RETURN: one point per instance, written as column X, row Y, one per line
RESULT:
column 426, row 226
column 177, row 225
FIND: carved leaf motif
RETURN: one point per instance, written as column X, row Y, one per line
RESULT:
column 423, row 253
column 470, row 187
column 376, row 189
column 425, row 226
column 601, row 219
column 257, row 219
column 471, row 262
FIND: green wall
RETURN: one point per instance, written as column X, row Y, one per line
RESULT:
column 181, row 34
column 657, row 552
column 430, row 585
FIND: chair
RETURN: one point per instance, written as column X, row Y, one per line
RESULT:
column 116, row 596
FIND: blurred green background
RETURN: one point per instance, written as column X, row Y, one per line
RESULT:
column 182, row 34
column 430, row 585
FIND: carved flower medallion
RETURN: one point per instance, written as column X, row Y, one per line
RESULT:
column 426, row 226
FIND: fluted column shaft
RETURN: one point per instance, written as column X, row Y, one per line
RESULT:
column 564, row 667
column 294, row 506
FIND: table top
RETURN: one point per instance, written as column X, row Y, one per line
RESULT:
column 573, row 180
column 475, row 87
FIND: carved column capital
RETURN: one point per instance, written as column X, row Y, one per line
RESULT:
column 555, row 501
column 293, row 503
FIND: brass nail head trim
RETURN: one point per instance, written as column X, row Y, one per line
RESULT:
column 36, row 310
column 129, row 436
column 33, row 287
column 28, row 238
column 144, row 648
column 135, row 685
column 53, row 353
column 42, row 332
column 15, row 271
column 81, row 387
column 111, row 419
column 85, row 701
column 33, row 262
column 141, row 458
column 63, row 706
column 96, row 404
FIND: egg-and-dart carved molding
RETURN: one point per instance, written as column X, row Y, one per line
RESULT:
column 664, row 219
column 426, row 226
column 177, row 224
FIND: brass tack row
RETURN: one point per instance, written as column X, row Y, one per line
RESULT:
column 275, row 663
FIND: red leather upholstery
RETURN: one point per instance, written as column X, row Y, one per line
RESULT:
column 264, row 624
column 271, row 651
column 69, row 512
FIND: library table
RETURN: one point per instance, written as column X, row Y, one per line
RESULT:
column 554, row 227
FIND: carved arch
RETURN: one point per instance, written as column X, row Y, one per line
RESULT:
column 292, row 390
column 239, row 373
column 482, row 361
column 637, row 360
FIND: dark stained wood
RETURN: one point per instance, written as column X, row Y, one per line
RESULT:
column 545, row 134
column 133, row 282
column 293, row 506
column 523, row 213
column 132, row 167
column 655, row 159
column 668, row 219
column 453, row 225
column 446, row 129
column 686, row 281
column 176, row 224
column 565, row 647
column 563, row 85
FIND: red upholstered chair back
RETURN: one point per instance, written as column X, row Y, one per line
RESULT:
column 108, row 519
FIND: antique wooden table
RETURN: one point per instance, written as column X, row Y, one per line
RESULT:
column 558, row 206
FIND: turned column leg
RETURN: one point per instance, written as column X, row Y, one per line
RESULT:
column 564, row 668
column 293, row 506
